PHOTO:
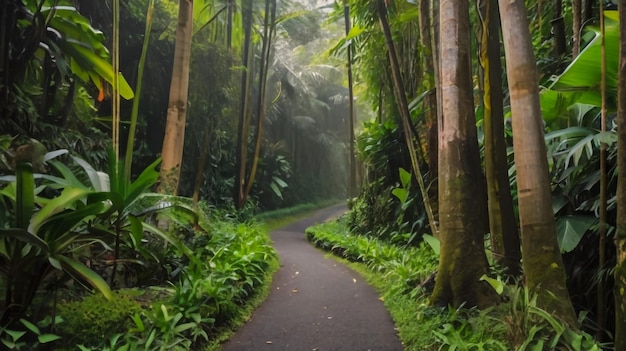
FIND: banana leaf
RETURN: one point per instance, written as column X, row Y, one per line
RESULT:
column 580, row 82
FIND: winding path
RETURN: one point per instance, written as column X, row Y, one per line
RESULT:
column 316, row 303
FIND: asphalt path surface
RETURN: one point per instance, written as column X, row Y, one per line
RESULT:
column 316, row 303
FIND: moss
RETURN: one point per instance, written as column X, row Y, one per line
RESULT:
column 94, row 319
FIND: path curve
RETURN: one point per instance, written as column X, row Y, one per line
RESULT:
column 316, row 303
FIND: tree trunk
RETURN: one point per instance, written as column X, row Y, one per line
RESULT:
column 202, row 160
column 602, row 225
column 542, row 261
column 576, row 26
column 174, row 139
column 620, row 270
column 268, row 30
column 229, row 23
column 505, row 243
column 242, row 129
column 558, row 31
column 352, row 188
column 461, row 185
column 430, row 108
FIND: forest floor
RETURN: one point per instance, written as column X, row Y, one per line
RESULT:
column 316, row 303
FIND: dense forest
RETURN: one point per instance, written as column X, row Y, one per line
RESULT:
column 142, row 142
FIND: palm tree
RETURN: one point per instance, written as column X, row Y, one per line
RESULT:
column 542, row 261
column 173, row 141
column 503, row 230
column 620, row 270
column 461, row 194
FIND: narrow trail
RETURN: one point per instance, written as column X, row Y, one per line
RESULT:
column 316, row 303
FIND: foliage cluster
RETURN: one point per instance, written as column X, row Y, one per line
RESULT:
column 92, row 226
column 402, row 278
column 230, row 262
column 376, row 211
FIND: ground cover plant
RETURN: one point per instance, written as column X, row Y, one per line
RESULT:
column 404, row 275
column 189, row 281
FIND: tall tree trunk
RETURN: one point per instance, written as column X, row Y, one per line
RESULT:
column 542, row 261
column 352, row 188
column 620, row 271
column 403, row 107
column 602, row 225
column 202, row 160
column 558, row 31
column 229, row 23
column 505, row 242
column 268, row 30
column 461, row 185
column 244, row 107
column 174, row 139
column 430, row 108
column 577, row 15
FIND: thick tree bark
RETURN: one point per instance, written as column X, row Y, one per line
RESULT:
column 174, row 139
column 577, row 15
column 558, row 30
column 620, row 270
column 461, row 185
column 430, row 106
column 542, row 261
column 505, row 242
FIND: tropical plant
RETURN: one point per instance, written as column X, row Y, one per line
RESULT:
column 42, row 235
column 54, row 39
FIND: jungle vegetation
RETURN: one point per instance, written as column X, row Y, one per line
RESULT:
column 139, row 138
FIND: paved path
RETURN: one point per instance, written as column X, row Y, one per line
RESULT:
column 316, row 303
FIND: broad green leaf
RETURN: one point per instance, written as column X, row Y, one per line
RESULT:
column 86, row 274
column 58, row 204
column 405, row 177
column 144, row 181
column 55, row 263
column 93, row 175
column 89, row 61
column 400, row 193
column 571, row 229
column 276, row 190
column 281, row 183
column 580, row 82
column 15, row 335
column 30, row 326
column 46, row 338
column 434, row 243
column 558, row 202
column 496, row 284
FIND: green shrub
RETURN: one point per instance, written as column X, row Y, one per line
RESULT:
column 94, row 319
